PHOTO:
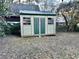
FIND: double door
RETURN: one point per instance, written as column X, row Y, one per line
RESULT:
column 39, row 25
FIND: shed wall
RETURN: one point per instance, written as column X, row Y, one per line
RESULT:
column 28, row 30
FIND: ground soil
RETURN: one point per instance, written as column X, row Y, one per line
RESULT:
column 61, row 46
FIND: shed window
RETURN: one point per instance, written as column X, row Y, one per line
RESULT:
column 26, row 21
column 50, row 21
column 26, row 17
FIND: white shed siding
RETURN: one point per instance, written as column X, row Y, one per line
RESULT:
column 32, row 22
column 51, row 28
column 46, row 25
column 26, row 30
column 55, row 24
column 21, row 26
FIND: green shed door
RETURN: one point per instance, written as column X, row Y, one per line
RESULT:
column 42, row 25
column 36, row 25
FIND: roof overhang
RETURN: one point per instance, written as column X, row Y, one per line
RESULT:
column 41, row 13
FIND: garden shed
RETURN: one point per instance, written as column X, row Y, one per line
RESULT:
column 37, row 23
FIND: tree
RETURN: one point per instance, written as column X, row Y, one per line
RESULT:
column 2, row 8
column 3, row 24
column 70, row 13
column 7, row 4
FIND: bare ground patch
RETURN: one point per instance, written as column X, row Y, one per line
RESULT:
column 61, row 46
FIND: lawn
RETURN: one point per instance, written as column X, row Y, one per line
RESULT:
column 61, row 46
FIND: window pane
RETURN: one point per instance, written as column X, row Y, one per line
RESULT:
column 26, row 21
column 26, row 18
column 50, row 21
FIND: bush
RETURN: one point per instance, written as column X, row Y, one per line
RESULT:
column 3, row 27
column 14, row 28
column 76, row 28
column 8, row 28
column 61, row 28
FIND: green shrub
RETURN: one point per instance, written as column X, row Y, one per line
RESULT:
column 2, row 27
column 76, row 29
column 61, row 28
column 8, row 28
column 14, row 28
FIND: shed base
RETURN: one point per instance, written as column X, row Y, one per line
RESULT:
column 38, row 35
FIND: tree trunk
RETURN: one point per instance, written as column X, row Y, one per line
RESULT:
column 66, row 22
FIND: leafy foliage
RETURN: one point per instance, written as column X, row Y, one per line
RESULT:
column 2, row 9
column 14, row 28
column 3, row 27
column 8, row 28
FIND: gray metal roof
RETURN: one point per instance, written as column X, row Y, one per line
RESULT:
column 15, row 8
